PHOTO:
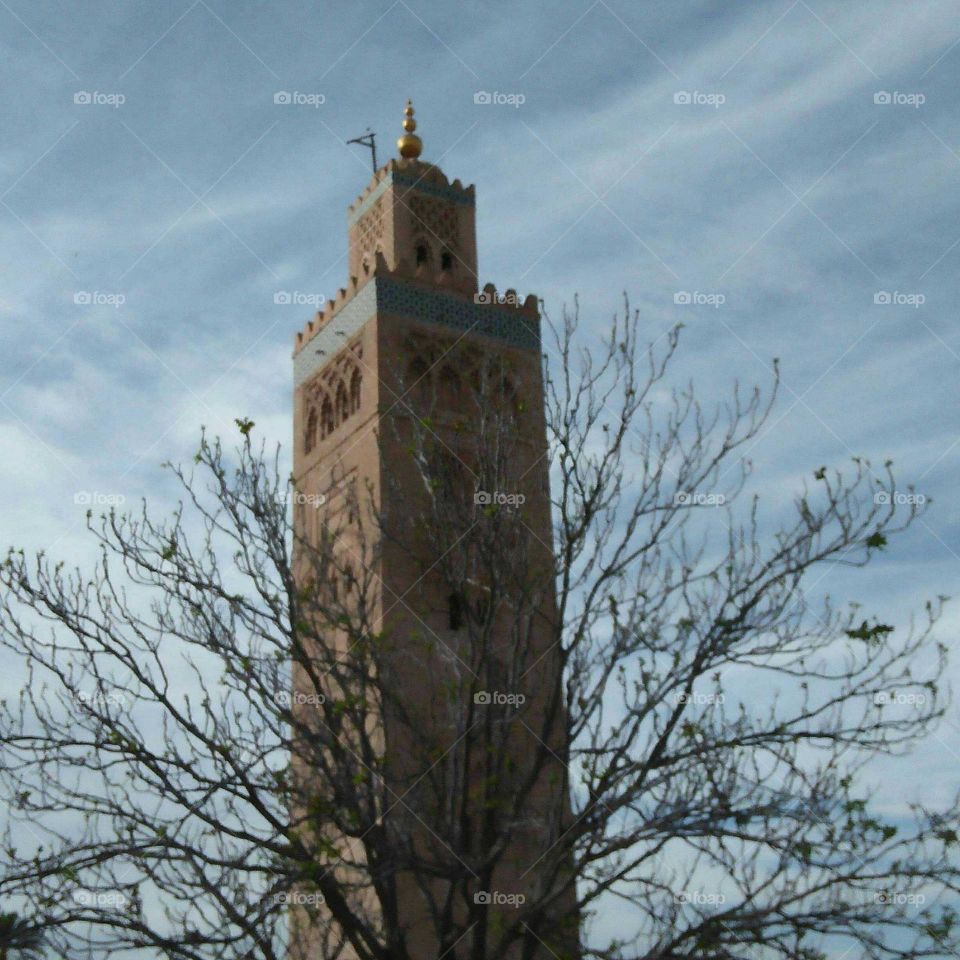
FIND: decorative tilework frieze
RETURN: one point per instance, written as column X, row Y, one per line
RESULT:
column 435, row 190
column 422, row 186
column 435, row 306
column 386, row 295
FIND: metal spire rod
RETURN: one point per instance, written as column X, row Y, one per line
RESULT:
column 368, row 140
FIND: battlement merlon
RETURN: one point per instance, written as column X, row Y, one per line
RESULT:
column 426, row 296
column 408, row 175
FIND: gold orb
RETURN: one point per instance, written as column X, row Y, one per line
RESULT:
column 409, row 146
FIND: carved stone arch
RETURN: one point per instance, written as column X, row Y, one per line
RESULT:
column 422, row 252
column 327, row 422
column 417, row 381
column 310, row 429
column 449, row 387
column 356, row 384
column 341, row 403
column 416, row 368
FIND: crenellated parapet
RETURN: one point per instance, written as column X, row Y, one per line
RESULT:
column 322, row 317
column 410, row 175
column 424, row 284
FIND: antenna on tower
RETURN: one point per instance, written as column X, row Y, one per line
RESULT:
column 368, row 140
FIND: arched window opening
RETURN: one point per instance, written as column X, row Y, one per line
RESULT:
column 455, row 611
column 446, row 261
column 449, row 387
column 310, row 433
column 416, row 370
column 343, row 404
column 355, row 382
column 326, row 418
column 423, row 253
column 417, row 382
column 508, row 393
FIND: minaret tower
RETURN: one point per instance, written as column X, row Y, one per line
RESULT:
column 412, row 326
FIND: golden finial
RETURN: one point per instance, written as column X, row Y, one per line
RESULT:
column 409, row 144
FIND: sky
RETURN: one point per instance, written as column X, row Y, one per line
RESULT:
column 789, row 168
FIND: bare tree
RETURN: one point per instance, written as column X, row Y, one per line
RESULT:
column 19, row 938
column 216, row 731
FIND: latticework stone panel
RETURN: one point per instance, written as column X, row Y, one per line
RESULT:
column 370, row 230
column 435, row 218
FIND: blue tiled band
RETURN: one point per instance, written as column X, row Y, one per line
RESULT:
column 384, row 295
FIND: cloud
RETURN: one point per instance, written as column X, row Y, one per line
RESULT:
column 694, row 197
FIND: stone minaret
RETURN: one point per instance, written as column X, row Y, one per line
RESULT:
column 413, row 329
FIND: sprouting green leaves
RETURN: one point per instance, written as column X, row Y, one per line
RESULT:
column 876, row 541
column 870, row 634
